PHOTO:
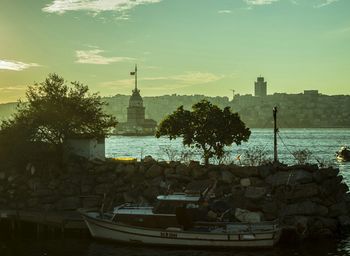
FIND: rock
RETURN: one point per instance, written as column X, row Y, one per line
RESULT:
column 2, row 175
column 257, row 182
column 103, row 168
column 182, row 170
column 150, row 193
column 245, row 172
column 92, row 202
column 247, row 216
column 198, row 172
column 270, row 207
column 120, row 168
column 148, row 159
column 154, row 171
column 344, row 220
column 198, row 185
column 289, row 178
column 42, row 192
column 178, row 177
column 69, row 203
column 106, row 177
column 11, row 178
column 264, row 171
column 103, row 189
column 194, row 165
column 130, row 169
column 227, row 177
column 301, row 225
column 34, row 183
column 212, row 215
column 129, row 197
column 325, row 173
column 330, row 186
column 69, row 189
column 53, row 184
column 338, row 209
column 219, row 206
column 307, row 208
column 301, row 191
column 169, row 171
column 255, row 192
column 245, row 182
column 48, row 199
column 32, row 202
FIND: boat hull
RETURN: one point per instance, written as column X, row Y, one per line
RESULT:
column 105, row 229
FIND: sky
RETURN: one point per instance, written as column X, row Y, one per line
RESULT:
column 206, row 47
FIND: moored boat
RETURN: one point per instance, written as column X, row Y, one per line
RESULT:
column 175, row 221
column 343, row 154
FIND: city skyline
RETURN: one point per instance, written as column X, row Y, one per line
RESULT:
column 183, row 47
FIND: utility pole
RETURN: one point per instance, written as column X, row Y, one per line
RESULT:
column 233, row 94
column 275, row 131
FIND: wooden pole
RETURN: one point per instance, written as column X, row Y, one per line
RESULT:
column 275, row 131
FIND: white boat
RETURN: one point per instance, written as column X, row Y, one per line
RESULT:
column 173, row 223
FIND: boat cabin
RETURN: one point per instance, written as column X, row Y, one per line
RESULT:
column 175, row 211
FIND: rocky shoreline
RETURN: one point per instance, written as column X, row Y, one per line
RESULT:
column 309, row 201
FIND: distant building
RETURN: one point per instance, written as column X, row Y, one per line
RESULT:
column 311, row 92
column 89, row 148
column 136, row 123
column 260, row 89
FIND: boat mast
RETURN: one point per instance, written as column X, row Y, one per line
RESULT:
column 275, row 131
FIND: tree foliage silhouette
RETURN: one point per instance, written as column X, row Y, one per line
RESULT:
column 206, row 127
column 55, row 110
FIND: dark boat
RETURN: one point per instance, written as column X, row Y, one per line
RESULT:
column 343, row 154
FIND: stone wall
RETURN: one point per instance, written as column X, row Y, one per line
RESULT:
column 311, row 201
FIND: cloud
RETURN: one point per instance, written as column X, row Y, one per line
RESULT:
column 16, row 65
column 167, row 82
column 94, row 57
column 224, row 11
column 95, row 6
column 327, row 2
column 260, row 2
column 189, row 78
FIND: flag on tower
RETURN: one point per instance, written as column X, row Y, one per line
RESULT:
column 132, row 73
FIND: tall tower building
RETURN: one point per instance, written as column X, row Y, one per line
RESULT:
column 260, row 89
column 136, row 110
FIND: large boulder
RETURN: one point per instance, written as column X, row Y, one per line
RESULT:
column 248, row 216
column 330, row 186
column 103, row 189
column 227, row 176
column 301, row 191
column 154, row 171
column 289, row 178
column 307, row 208
column 338, row 209
column 245, row 171
column 182, row 170
column 245, row 182
column 69, row 203
column 325, row 173
column 255, row 192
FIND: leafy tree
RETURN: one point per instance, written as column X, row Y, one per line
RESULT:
column 206, row 127
column 54, row 111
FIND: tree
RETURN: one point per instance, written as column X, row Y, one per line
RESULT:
column 53, row 112
column 206, row 127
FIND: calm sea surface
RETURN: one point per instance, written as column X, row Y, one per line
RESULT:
column 322, row 143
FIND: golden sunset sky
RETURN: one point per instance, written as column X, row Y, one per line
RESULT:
column 181, row 46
